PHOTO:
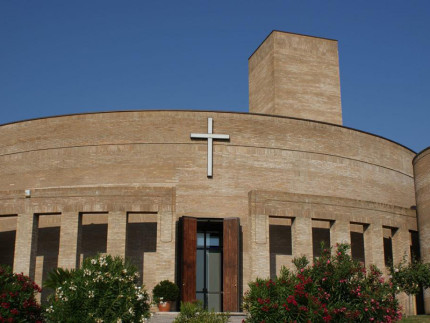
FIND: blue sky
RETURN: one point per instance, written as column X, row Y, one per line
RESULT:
column 61, row 57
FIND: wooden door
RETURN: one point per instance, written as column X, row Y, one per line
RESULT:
column 231, row 265
column 188, row 270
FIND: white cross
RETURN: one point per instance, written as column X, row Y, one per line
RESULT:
column 210, row 137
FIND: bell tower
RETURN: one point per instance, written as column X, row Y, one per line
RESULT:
column 296, row 76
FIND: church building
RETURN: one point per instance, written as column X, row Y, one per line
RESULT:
column 210, row 199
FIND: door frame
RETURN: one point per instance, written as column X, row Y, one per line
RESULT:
column 187, row 257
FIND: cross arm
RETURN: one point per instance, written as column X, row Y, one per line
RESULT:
column 209, row 135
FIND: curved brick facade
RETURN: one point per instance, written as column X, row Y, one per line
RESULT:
column 111, row 163
column 422, row 187
column 264, row 152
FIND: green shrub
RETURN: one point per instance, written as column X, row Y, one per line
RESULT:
column 195, row 313
column 165, row 291
column 56, row 277
column 17, row 298
column 103, row 290
column 411, row 277
column 335, row 288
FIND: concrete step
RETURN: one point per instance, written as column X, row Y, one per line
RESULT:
column 169, row 317
column 237, row 317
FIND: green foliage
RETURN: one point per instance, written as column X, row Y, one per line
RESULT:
column 103, row 290
column 411, row 277
column 334, row 289
column 57, row 277
column 195, row 313
column 17, row 298
column 165, row 291
column 416, row 319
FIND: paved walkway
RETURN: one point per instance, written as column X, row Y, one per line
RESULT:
column 169, row 317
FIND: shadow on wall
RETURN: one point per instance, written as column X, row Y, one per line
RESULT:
column 48, row 245
column 141, row 238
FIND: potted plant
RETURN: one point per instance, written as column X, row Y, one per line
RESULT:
column 164, row 293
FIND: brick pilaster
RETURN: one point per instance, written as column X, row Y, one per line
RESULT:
column 165, row 245
column 70, row 240
column 117, row 233
column 340, row 232
column 374, row 246
column 301, row 231
column 26, row 244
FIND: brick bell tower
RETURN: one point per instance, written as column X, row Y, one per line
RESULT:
column 296, row 76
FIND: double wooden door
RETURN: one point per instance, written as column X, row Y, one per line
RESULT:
column 190, row 264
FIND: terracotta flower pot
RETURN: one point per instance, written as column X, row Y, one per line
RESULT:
column 164, row 306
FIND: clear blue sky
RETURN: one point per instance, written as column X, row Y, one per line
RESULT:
column 61, row 57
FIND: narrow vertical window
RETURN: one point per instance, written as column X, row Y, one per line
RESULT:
column 142, row 242
column 280, row 243
column 357, row 242
column 416, row 256
column 94, row 234
column 48, row 245
column 415, row 246
column 320, row 236
column 388, row 246
column 7, row 239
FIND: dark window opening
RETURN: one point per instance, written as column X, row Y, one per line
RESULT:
column 7, row 239
column 388, row 251
column 357, row 246
column 415, row 246
column 320, row 236
column 141, row 239
column 94, row 235
column 7, row 247
column 48, row 246
column 416, row 256
column 280, row 241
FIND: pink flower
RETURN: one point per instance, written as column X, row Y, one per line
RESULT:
column 328, row 261
column 5, row 305
column 14, row 311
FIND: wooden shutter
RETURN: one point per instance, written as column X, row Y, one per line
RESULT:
column 189, row 250
column 231, row 265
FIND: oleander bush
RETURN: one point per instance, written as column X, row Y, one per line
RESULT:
column 104, row 290
column 17, row 298
column 335, row 288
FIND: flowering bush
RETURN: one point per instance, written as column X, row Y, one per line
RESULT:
column 411, row 277
column 17, row 302
column 103, row 290
column 334, row 289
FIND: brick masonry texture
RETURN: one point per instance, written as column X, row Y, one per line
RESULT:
column 296, row 76
column 101, row 181
column 101, row 162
